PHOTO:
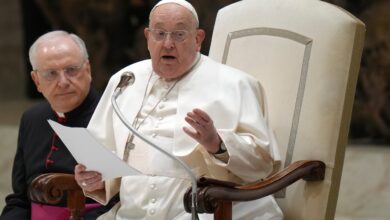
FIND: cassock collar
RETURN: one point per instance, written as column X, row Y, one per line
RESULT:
column 87, row 103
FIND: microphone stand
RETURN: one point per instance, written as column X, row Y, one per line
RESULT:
column 114, row 96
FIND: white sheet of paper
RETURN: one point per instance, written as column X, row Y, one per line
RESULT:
column 88, row 151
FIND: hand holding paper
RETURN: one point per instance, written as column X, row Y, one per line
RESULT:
column 89, row 152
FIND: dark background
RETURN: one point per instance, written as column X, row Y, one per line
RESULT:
column 113, row 32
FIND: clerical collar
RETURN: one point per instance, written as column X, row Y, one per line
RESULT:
column 195, row 63
column 60, row 114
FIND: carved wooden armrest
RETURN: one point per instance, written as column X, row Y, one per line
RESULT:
column 51, row 188
column 212, row 192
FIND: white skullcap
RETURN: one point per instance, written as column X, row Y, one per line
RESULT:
column 183, row 3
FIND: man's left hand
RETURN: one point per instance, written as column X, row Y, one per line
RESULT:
column 205, row 133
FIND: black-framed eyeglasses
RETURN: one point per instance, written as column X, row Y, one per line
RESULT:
column 53, row 75
column 160, row 35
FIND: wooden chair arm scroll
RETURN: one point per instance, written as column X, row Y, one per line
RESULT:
column 213, row 194
column 51, row 188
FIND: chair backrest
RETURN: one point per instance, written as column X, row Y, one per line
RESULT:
column 306, row 54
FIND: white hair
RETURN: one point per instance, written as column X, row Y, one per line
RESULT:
column 51, row 35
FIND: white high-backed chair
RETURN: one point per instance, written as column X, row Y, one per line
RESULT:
column 306, row 54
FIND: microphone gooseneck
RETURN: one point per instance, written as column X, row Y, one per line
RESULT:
column 127, row 79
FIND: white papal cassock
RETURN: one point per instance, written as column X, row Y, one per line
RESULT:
column 234, row 101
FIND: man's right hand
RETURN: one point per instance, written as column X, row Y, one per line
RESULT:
column 88, row 180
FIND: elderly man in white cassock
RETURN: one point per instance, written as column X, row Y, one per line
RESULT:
column 209, row 115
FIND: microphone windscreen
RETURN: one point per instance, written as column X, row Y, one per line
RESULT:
column 127, row 78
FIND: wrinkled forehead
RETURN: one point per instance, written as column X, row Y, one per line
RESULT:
column 53, row 53
column 172, row 16
column 179, row 4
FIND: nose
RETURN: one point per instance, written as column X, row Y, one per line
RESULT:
column 168, row 41
column 62, row 79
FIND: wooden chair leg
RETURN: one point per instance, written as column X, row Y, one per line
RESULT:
column 76, row 202
column 224, row 211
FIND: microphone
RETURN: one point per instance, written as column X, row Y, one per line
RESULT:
column 127, row 79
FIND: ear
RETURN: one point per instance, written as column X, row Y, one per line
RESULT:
column 89, row 71
column 35, row 78
column 146, row 33
column 88, row 67
column 200, row 35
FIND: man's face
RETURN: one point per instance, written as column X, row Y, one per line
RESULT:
column 172, row 58
column 62, row 74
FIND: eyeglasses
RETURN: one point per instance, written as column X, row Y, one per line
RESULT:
column 160, row 35
column 69, row 72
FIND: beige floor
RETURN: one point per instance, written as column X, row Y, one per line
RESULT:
column 365, row 186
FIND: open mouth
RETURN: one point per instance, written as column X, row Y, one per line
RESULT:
column 168, row 57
